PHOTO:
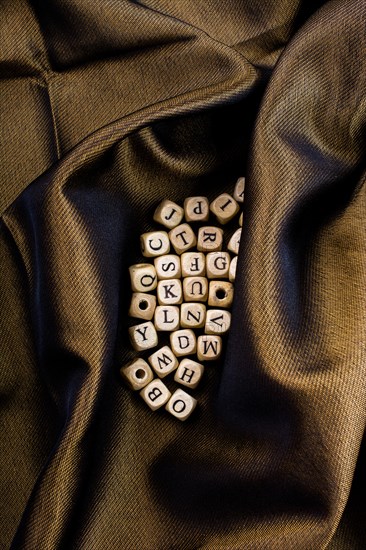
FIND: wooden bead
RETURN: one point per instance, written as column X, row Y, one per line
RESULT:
column 168, row 213
column 143, row 277
column 239, row 190
column 224, row 207
column 192, row 315
column 220, row 294
column 189, row 373
column 170, row 292
column 210, row 239
column 142, row 306
column 183, row 342
column 209, row 347
column 143, row 336
column 168, row 267
column 232, row 269
column 163, row 361
column 137, row 374
column 182, row 238
column 234, row 242
column 166, row 318
column 241, row 220
column 155, row 394
column 193, row 264
column 218, row 321
column 196, row 209
column 155, row 243
column 181, row 405
column 217, row 265
column 195, row 289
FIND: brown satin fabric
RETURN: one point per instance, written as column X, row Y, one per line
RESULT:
column 107, row 108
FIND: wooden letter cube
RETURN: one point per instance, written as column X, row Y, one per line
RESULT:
column 181, row 405
column 232, row 270
column 192, row 315
column 239, row 190
column 224, row 207
column 170, row 292
column 137, row 374
column 189, row 373
column 193, row 264
column 166, row 318
column 195, row 289
column 163, row 361
column 182, row 238
column 217, row 265
column 143, row 336
column 218, row 321
column 196, row 209
column 241, row 219
column 210, row 239
column 169, row 214
column 142, row 306
column 155, row 243
column 209, row 347
column 220, row 294
column 155, row 394
column 143, row 277
column 234, row 242
column 183, row 342
column 168, row 267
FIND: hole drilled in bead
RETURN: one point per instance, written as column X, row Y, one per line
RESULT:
column 143, row 305
column 140, row 374
column 221, row 293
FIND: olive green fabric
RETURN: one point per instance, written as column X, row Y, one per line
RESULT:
column 107, row 108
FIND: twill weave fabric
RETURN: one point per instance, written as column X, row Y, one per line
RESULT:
column 107, row 108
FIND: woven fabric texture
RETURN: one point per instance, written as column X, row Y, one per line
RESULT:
column 106, row 108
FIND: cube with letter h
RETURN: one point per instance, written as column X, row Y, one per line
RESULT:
column 189, row 373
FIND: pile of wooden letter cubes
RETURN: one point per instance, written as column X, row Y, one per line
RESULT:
column 186, row 294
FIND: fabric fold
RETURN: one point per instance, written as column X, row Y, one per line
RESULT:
column 148, row 101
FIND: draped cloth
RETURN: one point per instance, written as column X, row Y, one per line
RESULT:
column 107, row 108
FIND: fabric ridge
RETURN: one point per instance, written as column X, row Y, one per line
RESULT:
column 108, row 108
